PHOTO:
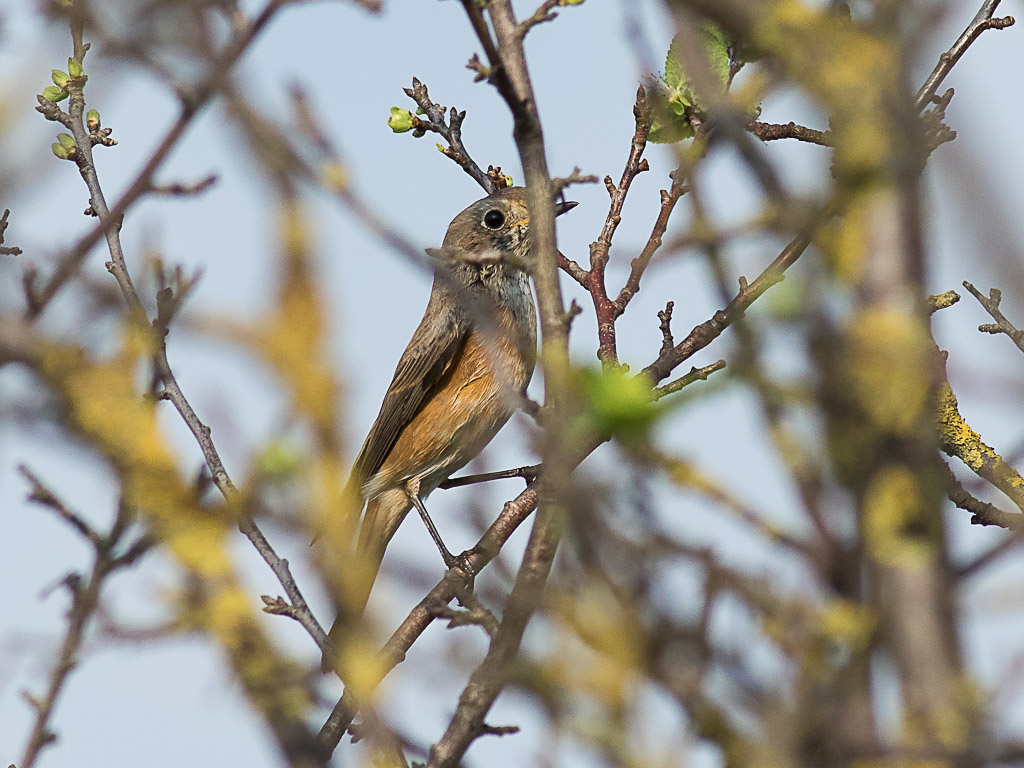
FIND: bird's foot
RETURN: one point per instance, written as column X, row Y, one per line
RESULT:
column 464, row 563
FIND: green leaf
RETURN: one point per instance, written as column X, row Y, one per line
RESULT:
column 716, row 48
column 66, row 140
column 669, row 130
column 674, row 75
column 716, row 45
column 401, row 120
column 59, row 151
column 53, row 93
column 74, row 67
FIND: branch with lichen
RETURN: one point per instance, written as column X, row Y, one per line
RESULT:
column 960, row 440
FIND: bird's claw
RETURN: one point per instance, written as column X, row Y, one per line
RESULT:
column 464, row 563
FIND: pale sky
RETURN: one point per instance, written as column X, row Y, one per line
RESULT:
column 171, row 703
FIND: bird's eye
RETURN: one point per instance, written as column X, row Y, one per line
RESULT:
column 494, row 218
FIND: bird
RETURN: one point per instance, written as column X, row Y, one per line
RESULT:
column 459, row 380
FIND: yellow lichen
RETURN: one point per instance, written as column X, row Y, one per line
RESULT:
column 892, row 508
column 890, row 361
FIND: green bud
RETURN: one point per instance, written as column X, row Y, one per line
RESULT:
column 53, row 93
column 60, row 79
column 401, row 120
column 570, row 2
column 74, row 67
column 66, row 140
column 59, row 151
column 441, row 149
column 92, row 119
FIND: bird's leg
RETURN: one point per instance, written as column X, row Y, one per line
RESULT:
column 462, row 561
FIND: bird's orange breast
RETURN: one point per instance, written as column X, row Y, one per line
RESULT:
column 473, row 400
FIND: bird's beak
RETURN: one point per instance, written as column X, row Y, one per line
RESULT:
column 564, row 206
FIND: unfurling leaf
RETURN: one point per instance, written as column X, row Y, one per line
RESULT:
column 53, row 93
column 60, row 79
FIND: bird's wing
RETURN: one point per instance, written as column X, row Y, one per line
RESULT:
column 433, row 349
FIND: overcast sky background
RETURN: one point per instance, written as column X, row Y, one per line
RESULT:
column 170, row 703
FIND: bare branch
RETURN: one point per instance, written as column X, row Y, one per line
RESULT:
column 1001, row 325
column 513, row 514
column 709, row 330
column 695, row 374
column 774, row 132
column 6, row 250
column 983, row 20
column 85, row 597
column 450, row 129
column 185, row 190
column 191, row 105
column 639, row 265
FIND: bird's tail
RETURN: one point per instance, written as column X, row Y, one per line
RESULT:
column 383, row 515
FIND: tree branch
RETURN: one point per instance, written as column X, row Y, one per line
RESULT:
column 983, row 20
column 85, row 597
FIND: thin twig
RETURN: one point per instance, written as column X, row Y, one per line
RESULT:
column 982, row 512
column 85, row 596
column 711, row 329
column 43, row 496
column 604, row 307
column 185, row 190
column 669, row 198
column 695, row 374
column 450, row 129
column 6, row 250
column 774, row 132
column 191, row 106
column 1002, row 324
column 983, row 20
column 513, row 514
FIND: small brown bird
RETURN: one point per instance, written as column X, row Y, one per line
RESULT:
column 457, row 383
